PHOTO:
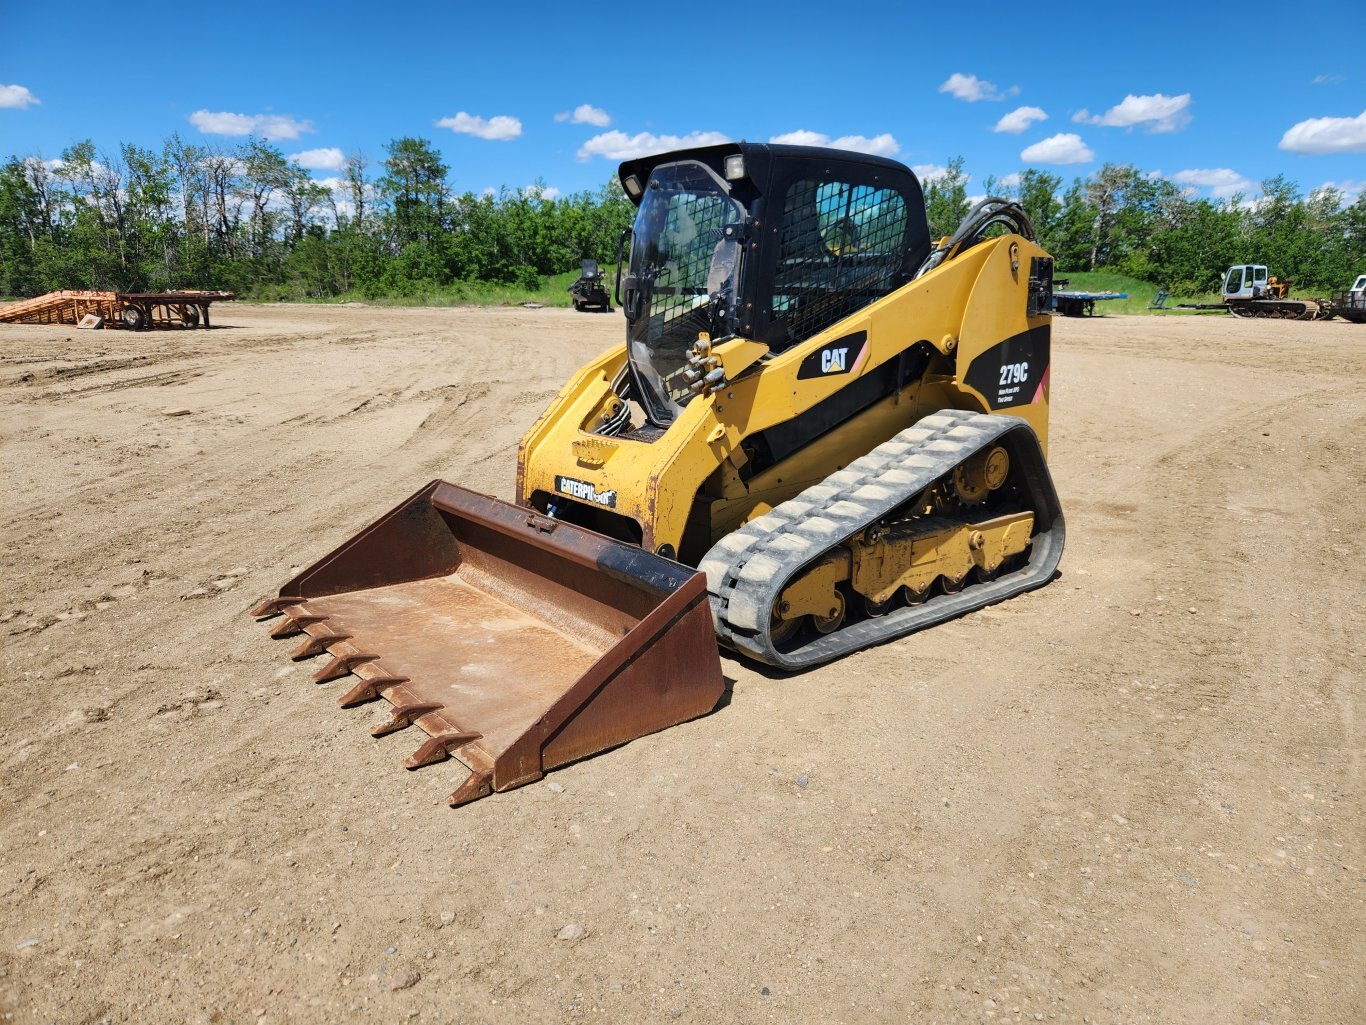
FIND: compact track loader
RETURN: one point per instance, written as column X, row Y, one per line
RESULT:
column 838, row 421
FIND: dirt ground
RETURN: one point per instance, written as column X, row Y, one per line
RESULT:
column 1132, row 796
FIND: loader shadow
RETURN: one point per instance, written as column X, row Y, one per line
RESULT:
column 727, row 694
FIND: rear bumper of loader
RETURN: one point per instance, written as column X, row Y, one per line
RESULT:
column 516, row 642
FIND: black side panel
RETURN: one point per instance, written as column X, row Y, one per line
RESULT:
column 833, row 358
column 781, row 440
column 1011, row 372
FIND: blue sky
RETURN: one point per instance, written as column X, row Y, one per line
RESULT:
column 560, row 92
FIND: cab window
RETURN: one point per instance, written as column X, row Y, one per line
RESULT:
column 842, row 247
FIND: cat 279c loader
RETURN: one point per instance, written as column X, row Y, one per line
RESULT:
column 840, row 422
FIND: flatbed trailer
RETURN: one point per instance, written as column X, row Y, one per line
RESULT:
column 1274, row 309
column 1082, row 304
column 134, row 310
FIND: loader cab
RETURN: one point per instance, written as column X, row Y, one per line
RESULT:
column 774, row 243
column 1246, row 281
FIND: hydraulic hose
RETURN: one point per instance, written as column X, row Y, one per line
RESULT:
column 990, row 211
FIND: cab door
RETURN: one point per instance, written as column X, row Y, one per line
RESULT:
column 1238, row 283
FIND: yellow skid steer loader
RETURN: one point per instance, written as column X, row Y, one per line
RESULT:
column 824, row 430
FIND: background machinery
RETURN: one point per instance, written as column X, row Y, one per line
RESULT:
column 1249, row 292
column 1079, row 302
column 589, row 290
column 1351, row 303
column 840, row 422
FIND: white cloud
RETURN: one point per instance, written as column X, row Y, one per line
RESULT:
column 1328, row 79
column 16, row 97
column 586, row 114
column 1221, row 181
column 490, row 191
column 341, row 192
column 57, row 163
column 267, row 126
column 617, row 145
column 1020, row 119
column 1063, row 148
column 801, row 137
column 928, row 172
column 1351, row 190
column 971, row 88
column 327, row 159
column 547, row 193
column 223, row 123
column 1011, row 180
column 1327, row 135
column 1160, row 113
column 500, row 128
column 883, row 145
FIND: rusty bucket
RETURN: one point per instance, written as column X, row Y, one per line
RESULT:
column 516, row 642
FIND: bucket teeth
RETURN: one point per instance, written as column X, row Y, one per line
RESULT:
column 274, row 606
column 294, row 622
column 341, row 665
column 437, row 749
column 479, row 784
column 401, row 717
column 316, row 645
column 368, row 690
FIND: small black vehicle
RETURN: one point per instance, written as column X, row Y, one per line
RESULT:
column 589, row 292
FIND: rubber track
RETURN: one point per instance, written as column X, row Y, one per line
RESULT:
column 1268, row 309
column 748, row 569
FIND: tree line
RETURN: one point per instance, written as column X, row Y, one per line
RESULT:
column 245, row 218
column 1147, row 227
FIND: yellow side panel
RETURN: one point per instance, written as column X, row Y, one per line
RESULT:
column 963, row 309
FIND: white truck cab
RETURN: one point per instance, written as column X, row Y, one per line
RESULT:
column 1246, row 281
column 1359, row 288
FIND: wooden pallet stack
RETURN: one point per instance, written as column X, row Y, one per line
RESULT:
column 135, row 310
column 65, row 307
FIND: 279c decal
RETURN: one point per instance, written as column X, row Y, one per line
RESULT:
column 1013, row 372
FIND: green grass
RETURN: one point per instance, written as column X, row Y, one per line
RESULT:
column 1141, row 294
column 552, row 291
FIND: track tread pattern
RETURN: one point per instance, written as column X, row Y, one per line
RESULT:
column 748, row 569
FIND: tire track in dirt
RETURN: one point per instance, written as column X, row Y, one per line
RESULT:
column 1035, row 805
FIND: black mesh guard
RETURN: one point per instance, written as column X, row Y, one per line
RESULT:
column 695, row 225
column 842, row 247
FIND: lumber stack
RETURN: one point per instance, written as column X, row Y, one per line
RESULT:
column 137, row 310
column 65, row 307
